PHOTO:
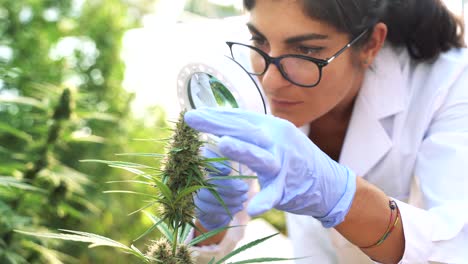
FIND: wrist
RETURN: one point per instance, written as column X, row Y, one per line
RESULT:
column 341, row 209
column 366, row 195
column 368, row 219
column 216, row 221
column 200, row 230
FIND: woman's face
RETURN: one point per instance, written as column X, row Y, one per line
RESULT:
column 281, row 27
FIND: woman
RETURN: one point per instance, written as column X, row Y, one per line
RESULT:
column 367, row 97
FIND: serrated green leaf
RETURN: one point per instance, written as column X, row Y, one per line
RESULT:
column 137, row 251
column 132, row 181
column 232, row 177
column 209, row 234
column 87, row 204
column 5, row 128
column 50, row 255
column 162, row 227
column 135, row 171
column 220, row 159
column 68, row 209
column 14, row 258
column 75, row 180
column 93, row 239
column 188, row 191
column 149, row 230
column 166, row 192
column 152, row 139
column 86, row 139
column 98, row 116
column 184, row 232
column 244, row 248
column 24, row 101
column 220, row 200
column 143, row 208
column 119, row 163
column 153, row 155
column 259, row 260
column 208, row 164
column 7, row 181
column 130, row 192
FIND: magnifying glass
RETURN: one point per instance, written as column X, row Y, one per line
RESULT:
column 218, row 82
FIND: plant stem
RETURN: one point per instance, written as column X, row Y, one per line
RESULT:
column 174, row 243
column 61, row 114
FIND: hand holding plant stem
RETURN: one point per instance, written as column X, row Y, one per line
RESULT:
column 209, row 211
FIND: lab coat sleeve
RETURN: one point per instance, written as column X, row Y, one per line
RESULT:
column 439, row 231
column 204, row 254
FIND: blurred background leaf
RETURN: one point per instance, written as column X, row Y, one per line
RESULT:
column 61, row 101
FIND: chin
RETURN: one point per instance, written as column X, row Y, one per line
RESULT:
column 297, row 121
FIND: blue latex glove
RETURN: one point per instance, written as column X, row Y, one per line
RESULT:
column 209, row 211
column 294, row 174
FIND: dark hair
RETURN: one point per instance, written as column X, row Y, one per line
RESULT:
column 425, row 27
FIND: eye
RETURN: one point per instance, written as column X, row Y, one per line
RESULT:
column 259, row 42
column 308, row 51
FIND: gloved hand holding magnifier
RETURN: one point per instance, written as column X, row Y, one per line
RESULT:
column 294, row 174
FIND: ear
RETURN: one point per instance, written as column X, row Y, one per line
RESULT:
column 374, row 44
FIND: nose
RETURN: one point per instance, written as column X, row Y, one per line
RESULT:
column 272, row 79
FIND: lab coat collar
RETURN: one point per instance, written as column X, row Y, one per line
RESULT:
column 382, row 96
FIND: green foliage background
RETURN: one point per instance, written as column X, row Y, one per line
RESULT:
column 61, row 101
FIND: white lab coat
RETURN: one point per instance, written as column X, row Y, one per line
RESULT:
column 408, row 135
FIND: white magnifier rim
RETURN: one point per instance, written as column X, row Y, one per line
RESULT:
column 240, row 84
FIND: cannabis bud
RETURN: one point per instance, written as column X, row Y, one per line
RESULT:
column 182, row 171
column 161, row 252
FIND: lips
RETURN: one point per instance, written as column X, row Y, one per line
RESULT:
column 283, row 102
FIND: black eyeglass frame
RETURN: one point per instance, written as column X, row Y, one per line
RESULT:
column 276, row 60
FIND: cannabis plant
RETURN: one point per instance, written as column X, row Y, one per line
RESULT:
column 170, row 205
column 37, row 189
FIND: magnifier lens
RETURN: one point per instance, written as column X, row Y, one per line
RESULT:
column 206, row 90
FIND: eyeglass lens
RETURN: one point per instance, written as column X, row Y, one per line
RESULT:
column 297, row 70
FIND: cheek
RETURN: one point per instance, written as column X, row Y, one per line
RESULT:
column 334, row 74
column 339, row 79
column 257, row 62
column 338, row 83
column 337, row 87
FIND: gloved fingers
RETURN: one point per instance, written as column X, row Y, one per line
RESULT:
column 253, row 156
column 231, row 200
column 216, row 208
column 267, row 198
column 230, row 122
column 230, row 187
column 219, row 168
column 208, row 153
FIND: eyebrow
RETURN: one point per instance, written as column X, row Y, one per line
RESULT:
column 291, row 40
column 254, row 30
column 311, row 36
